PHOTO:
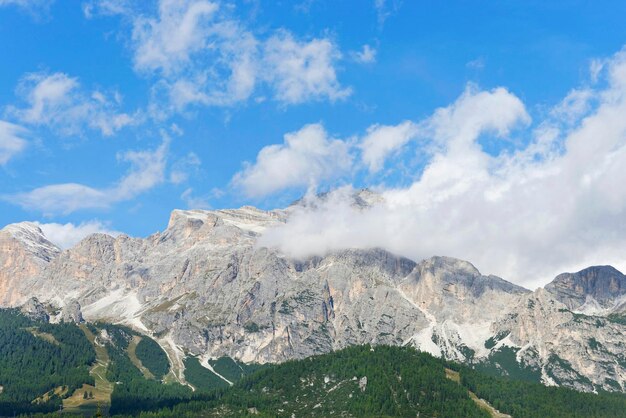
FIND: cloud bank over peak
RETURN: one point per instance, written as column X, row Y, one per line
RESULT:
column 554, row 203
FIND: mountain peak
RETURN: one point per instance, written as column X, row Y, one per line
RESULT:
column 451, row 264
column 30, row 236
column 601, row 284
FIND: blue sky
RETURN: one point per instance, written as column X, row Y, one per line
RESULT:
column 113, row 113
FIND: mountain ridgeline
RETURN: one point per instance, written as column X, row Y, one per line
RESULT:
column 203, row 289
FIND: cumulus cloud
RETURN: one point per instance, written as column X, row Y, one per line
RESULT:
column 59, row 102
column 199, row 54
column 554, row 203
column 382, row 140
column 12, row 141
column 69, row 234
column 301, row 71
column 306, row 157
column 147, row 170
column 193, row 201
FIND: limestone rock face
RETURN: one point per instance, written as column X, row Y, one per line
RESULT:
column 24, row 253
column 204, row 287
column 590, row 290
column 565, row 348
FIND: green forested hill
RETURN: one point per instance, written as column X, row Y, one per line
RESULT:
column 41, row 364
column 37, row 358
column 400, row 382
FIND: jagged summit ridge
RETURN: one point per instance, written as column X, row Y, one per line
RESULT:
column 204, row 286
column 590, row 290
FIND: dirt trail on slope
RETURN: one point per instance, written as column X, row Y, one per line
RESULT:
column 483, row 404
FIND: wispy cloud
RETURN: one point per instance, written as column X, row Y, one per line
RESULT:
column 384, row 9
column 59, row 102
column 184, row 167
column 147, row 170
column 301, row 71
column 12, row 141
column 35, row 7
column 193, row 201
column 476, row 64
column 197, row 53
column 366, row 55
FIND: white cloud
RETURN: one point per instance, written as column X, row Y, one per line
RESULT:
column 182, row 168
column 574, row 105
column 67, row 235
column 382, row 140
column 556, row 203
column 11, row 141
column 167, row 42
column 147, row 171
column 201, row 55
column 307, row 157
column 475, row 112
column 301, row 71
column 94, row 8
column 366, row 56
column 58, row 101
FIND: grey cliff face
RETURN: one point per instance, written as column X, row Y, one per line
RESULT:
column 71, row 313
column 24, row 253
column 591, row 289
column 204, row 287
column 565, row 348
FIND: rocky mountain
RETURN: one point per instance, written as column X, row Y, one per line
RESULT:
column 204, row 287
column 592, row 290
column 24, row 253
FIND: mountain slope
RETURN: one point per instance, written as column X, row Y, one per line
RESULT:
column 204, row 287
column 390, row 381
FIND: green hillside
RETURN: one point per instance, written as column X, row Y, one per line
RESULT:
column 106, row 368
column 40, row 363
